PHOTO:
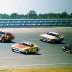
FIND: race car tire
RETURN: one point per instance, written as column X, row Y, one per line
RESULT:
column 70, row 51
column 44, row 40
column 36, row 51
column 47, row 41
column 16, row 50
column 67, row 50
column 40, row 39
column 2, row 40
column 63, row 50
column 26, row 51
column 9, row 40
column 52, row 41
column 13, row 50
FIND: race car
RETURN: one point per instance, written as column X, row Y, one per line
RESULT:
column 6, row 36
column 25, row 47
column 67, row 48
column 51, row 37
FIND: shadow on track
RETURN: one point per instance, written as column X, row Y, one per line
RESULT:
column 58, row 43
column 31, row 54
column 55, row 42
column 8, row 42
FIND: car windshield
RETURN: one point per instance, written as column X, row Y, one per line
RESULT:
column 2, row 33
column 25, row 44
column 29, row 45
column 53, row 34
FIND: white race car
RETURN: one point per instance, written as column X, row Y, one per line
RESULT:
column 51, row 37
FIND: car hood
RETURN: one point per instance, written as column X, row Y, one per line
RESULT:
column 19, row 46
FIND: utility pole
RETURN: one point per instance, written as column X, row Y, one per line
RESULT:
column 28, row 15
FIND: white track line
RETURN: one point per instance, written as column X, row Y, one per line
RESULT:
column 32, row 65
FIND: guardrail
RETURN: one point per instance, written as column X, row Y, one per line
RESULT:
column 12, row 23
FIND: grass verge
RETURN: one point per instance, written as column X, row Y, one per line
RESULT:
column 58, row 69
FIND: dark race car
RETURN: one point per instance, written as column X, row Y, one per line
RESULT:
column 6, row 36
column 67, row 48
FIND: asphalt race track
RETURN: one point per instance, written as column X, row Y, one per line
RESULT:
column 50, row 55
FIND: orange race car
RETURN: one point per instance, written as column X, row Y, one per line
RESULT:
column 25, row 47
column 51, row 37
column 6, row 36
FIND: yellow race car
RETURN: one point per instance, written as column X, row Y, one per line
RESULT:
column 25, row 47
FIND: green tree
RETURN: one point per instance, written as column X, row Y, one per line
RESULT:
column 64, row 15
column 4, row 16
column 43, row 16
column 21, row 16
column 51, row 15
column 32, row 14
column 71, row 15
column 14, row 16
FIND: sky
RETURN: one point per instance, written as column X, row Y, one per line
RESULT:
column 40, row 6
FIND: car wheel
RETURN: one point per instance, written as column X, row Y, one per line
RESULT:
column 47, row 40
column 63, row 50
column 52, row 41
column 40, row 39
column 44, row 40
column 67, row 50
column 26, row 51
column 16, row 50
column 13, row 50
column 2, row 40
column 36, row 50
column 10, row 40
column 70, row 51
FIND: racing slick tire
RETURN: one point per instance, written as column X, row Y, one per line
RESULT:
column 40, row 39
column 46, row 41
column 13, row 50
column 70, row 51
column 2, row 40
column 16, row 50
column 52, row 41
column 26, row 51
column 36, row 51
column 63, row 50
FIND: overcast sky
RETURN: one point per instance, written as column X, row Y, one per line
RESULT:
column 40, row 6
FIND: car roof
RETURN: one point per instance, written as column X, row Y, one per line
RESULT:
column 26, row 42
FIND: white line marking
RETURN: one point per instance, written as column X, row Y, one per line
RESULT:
column 32, row 65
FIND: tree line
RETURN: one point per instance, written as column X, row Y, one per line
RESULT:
column 33, row 15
